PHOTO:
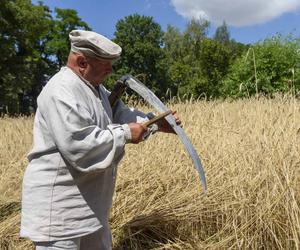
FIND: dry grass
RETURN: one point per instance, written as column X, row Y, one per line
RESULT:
column 250, row 151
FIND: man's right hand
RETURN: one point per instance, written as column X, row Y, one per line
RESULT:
column 137, row 131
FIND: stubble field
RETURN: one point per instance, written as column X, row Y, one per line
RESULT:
column 250, row 152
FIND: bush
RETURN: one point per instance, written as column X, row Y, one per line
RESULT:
column 267, row 67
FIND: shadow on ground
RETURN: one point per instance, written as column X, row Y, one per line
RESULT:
column 148, row 232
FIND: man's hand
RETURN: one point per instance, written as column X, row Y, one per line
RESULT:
column 164, row 126
column 137, row 131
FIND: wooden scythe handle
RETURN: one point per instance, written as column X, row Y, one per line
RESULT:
column 157, row 118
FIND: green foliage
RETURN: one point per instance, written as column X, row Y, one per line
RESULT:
column 141, row 39
column 182, row 52
column 214, row 64
column 58, row 43
column 222, row 34
column 197, row 64
column 35, row 44
column 267, row 67
column 33, row 47
column 196, row 31
column 21, row 29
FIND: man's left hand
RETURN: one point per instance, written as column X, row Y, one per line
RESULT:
column 164, row 126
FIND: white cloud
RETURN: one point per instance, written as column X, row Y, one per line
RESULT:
column 235, row 12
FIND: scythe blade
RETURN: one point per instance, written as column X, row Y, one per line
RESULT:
column 153, row 100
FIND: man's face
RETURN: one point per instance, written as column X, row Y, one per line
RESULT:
column 97, row 70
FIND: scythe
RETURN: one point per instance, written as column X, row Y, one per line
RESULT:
column 152, row 99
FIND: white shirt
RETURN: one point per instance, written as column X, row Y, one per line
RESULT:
column 69, row 183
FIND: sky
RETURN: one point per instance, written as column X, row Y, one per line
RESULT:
column 249, row 21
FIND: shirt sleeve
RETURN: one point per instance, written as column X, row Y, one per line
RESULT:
column 122, row 114
column 83, row 144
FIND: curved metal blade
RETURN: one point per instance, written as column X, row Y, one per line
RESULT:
column 152, row 99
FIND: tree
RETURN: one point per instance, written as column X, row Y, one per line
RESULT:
column 141, row 40
column 175, row 71
column 21, row 29
column 267, row 67
column 214, row 63
column 183, row 53
column 222, row 34
column 33, row 47
column 173, row 43
column 196, row 31
column 58, row 44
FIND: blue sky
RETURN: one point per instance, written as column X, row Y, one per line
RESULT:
column 249, row 20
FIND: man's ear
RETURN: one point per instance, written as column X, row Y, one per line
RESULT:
column 81, row 62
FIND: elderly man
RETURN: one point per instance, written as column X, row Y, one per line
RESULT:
column 78, row 142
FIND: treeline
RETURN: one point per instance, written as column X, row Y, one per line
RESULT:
column 34, row 45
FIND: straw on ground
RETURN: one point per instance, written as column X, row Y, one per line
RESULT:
column 250, row 151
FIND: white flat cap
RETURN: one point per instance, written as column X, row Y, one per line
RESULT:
column 94, row 45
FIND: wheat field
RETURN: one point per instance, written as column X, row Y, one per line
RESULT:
column 250, row 152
